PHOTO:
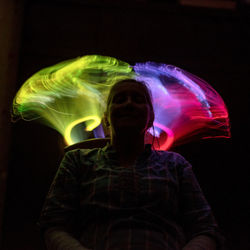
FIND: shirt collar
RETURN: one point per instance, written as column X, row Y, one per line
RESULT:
column 110, row 153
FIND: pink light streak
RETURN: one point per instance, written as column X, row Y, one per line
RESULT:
column 186, row 107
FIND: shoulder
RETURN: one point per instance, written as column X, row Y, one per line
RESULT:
column 78, row 159
column 169, row 156
column 79, row 152
column 172, row 161
column 77, row 163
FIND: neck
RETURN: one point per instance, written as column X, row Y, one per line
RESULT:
column 128, row 147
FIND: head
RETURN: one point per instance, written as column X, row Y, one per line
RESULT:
column 129, row 107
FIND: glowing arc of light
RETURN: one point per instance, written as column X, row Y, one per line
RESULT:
column 74, row 92
column 170, row 136
column 90, row 127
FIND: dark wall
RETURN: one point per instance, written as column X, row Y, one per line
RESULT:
column 213, row 44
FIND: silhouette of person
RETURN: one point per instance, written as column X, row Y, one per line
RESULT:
column 127, row 195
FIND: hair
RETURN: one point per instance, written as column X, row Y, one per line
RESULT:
column 147, row 91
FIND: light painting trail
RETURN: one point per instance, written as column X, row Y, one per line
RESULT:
column 71, row 98
column 186, row 107
column 70, row 93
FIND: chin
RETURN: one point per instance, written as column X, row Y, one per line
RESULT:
column 130, row 128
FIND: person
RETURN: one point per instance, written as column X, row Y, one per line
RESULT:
column 127, row 195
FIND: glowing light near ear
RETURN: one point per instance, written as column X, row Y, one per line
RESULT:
column 90, row 127
column 165, row 137
column 72, row 94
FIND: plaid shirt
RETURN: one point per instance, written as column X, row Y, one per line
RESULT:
column 156, row 204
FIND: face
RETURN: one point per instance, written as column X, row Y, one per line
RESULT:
column 129, row 108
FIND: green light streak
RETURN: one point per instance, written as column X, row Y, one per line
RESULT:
column 69, row 93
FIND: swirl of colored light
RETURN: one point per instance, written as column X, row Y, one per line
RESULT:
column 74, row 93
column 186, row 107
column 70, row 93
